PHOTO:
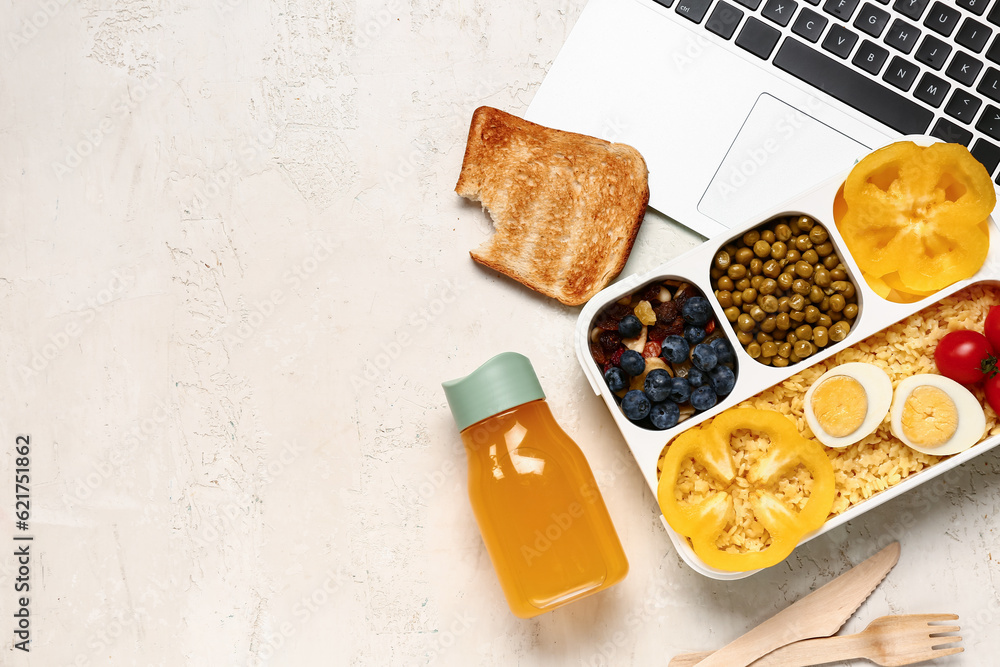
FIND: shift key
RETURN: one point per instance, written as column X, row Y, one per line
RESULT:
column 852, row 88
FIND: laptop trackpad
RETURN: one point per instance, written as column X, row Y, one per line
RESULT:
column 779, row 152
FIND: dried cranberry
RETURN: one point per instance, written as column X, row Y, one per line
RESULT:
column 610, row 341
column 618, row 311
column 604, row 321
column 616, row 357
column 710, row 327
column 611, row 316
column 652, row 349
column 651, row 293
column 657, row 333
column 666, row 312
column 598, row 354
column 676, row 327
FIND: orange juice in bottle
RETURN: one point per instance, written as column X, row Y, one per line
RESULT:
column 538, row 507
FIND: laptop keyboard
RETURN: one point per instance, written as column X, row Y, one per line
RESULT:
column 918, row 66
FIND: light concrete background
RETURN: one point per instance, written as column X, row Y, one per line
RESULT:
column 233, row 273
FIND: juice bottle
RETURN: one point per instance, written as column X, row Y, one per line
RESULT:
column 538, row 507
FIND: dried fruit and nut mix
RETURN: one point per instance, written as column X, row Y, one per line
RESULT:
column 662, row 354
column 785, row 290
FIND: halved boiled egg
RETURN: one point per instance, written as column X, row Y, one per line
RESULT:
column 936, row 415
column 847, row 403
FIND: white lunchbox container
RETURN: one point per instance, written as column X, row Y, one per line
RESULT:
column 875, row 314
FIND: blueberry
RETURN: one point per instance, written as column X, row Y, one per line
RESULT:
column 657, row 385
column 723, row 350
column 693, row 334
column 635, row 405
column 703, row 398
column 680, row 390
column 665, row 415
column 722, row 380
column 616, row 379
column 697, row 377
column 675, row 349
column 630, row 326
column 697, row 311
column 632, row 362
column 703, row 356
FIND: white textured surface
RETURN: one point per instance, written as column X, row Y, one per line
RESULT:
column 234, row 273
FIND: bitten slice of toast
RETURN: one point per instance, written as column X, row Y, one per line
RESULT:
column 566, row 207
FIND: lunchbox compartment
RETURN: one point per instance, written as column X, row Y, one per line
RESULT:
column 891, row 288
column 879, row 497
column 798, row 281
column 615, row 305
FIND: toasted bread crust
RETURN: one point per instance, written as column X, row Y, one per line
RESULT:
column 567, row 207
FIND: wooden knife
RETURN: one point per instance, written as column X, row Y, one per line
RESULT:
column 819, row 614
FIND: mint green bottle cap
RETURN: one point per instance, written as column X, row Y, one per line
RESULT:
column 504, row 382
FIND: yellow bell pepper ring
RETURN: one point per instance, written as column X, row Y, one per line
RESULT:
column 916, row 212
column 703, row 523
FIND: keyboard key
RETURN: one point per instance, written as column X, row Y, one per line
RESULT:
column 963, row 106
column 870, row 57
column 946, row 130
column 931, row 89
column 839, row 40
column 994, row 15
column 666, row 3
column 986, row 153
column 842, row 9
column 902, row 36
column 942, row 18
column 871, row 20
column 973, row 35
column 900, row 73
column 809, row 24
column 989, row 85
column 933, row 52
column 758, row 38
column 977, row 7
column 852, row 88
column 964, row 68
column 813, row 2
column 910, row 8
column 994, row 51
column 989, row 122
column 779, row 11
column 693, row 10
column 724, row 20
column 750, row 4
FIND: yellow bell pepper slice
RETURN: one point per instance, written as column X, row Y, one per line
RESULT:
column 704, row 523
column 917, row 212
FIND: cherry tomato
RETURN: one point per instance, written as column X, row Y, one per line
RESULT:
column 961, row 355
column 992, row 327
column 993, row 392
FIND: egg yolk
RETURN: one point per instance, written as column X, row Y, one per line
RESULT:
column 840, row 404
column 930, row 417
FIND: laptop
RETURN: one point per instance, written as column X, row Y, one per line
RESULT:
column 737, row 105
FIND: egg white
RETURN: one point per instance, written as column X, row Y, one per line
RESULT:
column 878, row 389
column 971, row 418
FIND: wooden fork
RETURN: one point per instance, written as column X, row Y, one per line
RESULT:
column 889, row 641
